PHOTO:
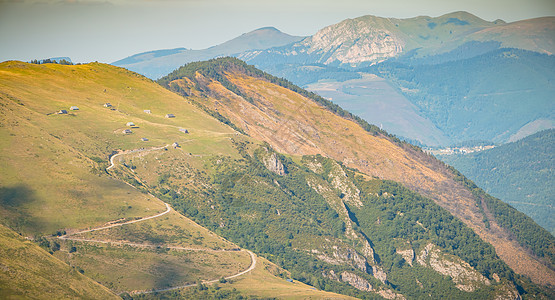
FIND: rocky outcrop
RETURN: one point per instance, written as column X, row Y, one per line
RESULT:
column 339, row 180
column 362, row 284
column 507, row 292
column 337, row 204
column 356, row 281
column 463, row 275
column 273, row 164
column 389, row 294
column 368, row 251
column 353, row 42
column 344, row 256
column 379, row 273
column 408, row 255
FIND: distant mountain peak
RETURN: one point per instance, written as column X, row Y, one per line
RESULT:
column 270, row 28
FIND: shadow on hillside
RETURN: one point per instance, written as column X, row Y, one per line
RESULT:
column 13, row 200
column 166, row 274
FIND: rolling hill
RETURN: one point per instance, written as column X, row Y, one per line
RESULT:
column 519, row 173
column 57, row 183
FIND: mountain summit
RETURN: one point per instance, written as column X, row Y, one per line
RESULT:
column 369, row 39
column 155, row 64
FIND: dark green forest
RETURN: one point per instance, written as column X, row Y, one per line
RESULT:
column 520, row 173
column 242, row 199
column 486, row 97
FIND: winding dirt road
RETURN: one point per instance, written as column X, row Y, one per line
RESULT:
column 168, row 209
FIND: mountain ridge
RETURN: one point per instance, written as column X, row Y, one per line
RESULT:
column 155, row 64
column 329, row 225
column 258, row 119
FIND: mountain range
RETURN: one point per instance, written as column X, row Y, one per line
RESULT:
column 335, row 62
column 155, row 64
column 221, row 180
column 328, row 199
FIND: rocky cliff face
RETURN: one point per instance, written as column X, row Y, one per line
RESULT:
column 463, row 275
column 356, row 281
column 353, row 42
column 272, row 162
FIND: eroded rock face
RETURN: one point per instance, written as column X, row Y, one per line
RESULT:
column 273, row 164
column 380, row 274
column 361, row 284
column 353, row 42
column 463, row 275
column 508, row 292
column 340, row 181
column 408, row 255
column 348, row 256
column 356, row 281
column 389, row 294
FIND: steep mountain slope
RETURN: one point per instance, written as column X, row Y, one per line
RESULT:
column 322, row 222
column 263, row 107
column 447, row 46
column 155, row 64
column 63, row 185
column 29, row 272
column 519, row 173
column 376, row 100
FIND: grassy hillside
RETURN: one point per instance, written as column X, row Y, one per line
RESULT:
column 72, row 150
column 29, row 272
column 519, row 173
column 299, row 123
column 55, row 182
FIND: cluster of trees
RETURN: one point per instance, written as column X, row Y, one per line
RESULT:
column 279, row 216
column 303, row 74
column 51, row 61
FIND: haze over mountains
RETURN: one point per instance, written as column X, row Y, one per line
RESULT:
column 520, row 173
column 337, row 203
column 333, row 63
column 155, row 64
column 221, row 180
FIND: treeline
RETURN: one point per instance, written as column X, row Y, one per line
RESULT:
column 51, row 61
column 282, row 218
column 275, row 216
column 303, row 74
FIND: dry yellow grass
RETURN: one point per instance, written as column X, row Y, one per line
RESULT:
column 29, row 272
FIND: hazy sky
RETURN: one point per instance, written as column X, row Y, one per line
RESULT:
column 106, row 31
